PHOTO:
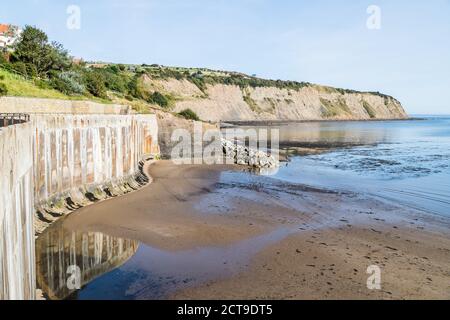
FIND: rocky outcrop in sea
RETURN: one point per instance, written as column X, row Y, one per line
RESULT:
column 242, row 155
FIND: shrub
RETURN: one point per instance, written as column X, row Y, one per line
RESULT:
column 135, row 89
column 68, row 82
column 20, row 67
column 159, row 99
column 114, row 81
column 200, row 83
column 3, row 59
column 42, row 84
column 113, row 68
column 95, row 84
column 3, row 90
column 60, row 85
column 189, row 114
column 31, row 70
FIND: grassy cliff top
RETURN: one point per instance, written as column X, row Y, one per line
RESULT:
column 204, row 76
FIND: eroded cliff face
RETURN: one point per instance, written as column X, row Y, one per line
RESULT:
column 221, row 102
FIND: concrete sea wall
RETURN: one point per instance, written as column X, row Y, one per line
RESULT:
column 53, row 165
column 17, row 277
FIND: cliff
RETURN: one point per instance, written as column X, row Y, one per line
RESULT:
column 274, row 100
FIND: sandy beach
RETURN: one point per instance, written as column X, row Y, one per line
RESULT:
column 315, row 244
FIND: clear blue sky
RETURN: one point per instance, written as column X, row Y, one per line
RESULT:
column 323, row 41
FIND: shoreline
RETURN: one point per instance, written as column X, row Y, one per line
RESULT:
column 331, row 235
column 227, row 124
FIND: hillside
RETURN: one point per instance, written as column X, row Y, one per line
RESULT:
column 40, row 68
column 20, row 86
column 220, row 96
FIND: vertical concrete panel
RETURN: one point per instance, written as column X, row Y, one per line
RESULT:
column 17, row 212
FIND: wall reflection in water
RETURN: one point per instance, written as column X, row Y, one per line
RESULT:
column 58, row 250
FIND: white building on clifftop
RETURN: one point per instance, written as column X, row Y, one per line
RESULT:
column 8, row 35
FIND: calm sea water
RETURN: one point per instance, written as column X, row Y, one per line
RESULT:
column 407, row 162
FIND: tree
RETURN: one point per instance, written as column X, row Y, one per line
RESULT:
column 33, row 48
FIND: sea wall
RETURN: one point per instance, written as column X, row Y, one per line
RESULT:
column 17, row 277
column 53, row 165
column 39, row 105
column 168, row 124
column 83, row 159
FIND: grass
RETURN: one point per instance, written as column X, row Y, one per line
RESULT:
column 19, row 86
column 250, row 102
column 140, row 106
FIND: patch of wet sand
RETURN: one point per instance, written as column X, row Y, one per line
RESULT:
column 336, row 235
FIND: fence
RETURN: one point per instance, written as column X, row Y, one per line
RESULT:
column 8, row 119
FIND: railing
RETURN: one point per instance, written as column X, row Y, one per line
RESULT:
column 8, row 119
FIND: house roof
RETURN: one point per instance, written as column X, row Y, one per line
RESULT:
column 4, row 28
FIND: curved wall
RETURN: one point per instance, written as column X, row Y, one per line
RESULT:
column 55, row 164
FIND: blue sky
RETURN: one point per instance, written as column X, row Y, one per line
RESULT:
column 324, row 41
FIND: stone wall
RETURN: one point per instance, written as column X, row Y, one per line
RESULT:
column 55, row 164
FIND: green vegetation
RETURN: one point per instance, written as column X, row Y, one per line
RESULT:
column 189, row 114
column 68, row 82
column 19, row 86
column 95, row 83
column 3, row 90
column 159, row 99
column 332, row 109
column 164, row 101
column 35, row 56
column 369, row 109
column 387, row 100
column 37, row 67
column 204, row 77
column 271, row 102
column 249, row 101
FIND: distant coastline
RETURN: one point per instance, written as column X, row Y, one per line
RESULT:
column 225, row 124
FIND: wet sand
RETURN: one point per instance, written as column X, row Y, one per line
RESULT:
column 330, row 238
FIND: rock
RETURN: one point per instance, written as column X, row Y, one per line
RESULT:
column 248, row 157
